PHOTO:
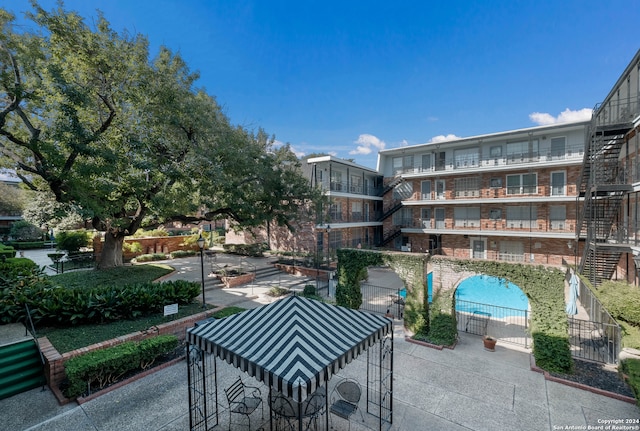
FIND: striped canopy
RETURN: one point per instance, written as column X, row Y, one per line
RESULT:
column 293, row 345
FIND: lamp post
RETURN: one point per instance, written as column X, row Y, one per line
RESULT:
column 328, row 245
column 200, row 242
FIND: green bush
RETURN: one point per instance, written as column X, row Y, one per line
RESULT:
column 22, row 230
column 182, row 253
column 97, row 369
column 159, row 232
column 228, row 311
column 7, row 251
column 621, row 299
column 631, row 367
column 14, row 267
column 253, row 250
column 27, row 245
column 58, row 306
column 150, row 257
column 72, row 240
column 309, row 289
column 132, row 247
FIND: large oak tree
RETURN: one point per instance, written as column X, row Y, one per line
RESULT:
column 86, row 114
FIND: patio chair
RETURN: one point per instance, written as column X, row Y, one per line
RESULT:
column 243, row 400
column 344, row 400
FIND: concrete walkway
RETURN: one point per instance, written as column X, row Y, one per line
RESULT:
column 466, row 388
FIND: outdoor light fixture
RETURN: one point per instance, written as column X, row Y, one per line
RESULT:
column 200, row 242
column 636, row 261
column 570, row 245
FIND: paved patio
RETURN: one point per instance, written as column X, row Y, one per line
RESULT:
column 466, row 388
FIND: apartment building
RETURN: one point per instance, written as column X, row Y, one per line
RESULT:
column 610, row 183
column 509, row 196
column 352, row 217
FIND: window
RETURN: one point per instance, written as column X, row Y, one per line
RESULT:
column 356, row 184
column 495, row 214
column 440, row 189
column 467, row 187
column 522, row 184
column 335, row 210
column 403, row 217
column 524, row 216
column 557, row 217
column 495, row 152
column 402, row 164
column 356, row 211
column 336, row 181
column 425, row 190
column 466, row 157
column 557, row 184
column 403, row 190
column 426, row 162
column 425, row 218
column 466, row 216
column 558, row 147
column 522, row 150
column 495, row 182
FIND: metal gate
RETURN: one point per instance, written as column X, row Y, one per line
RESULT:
column 594, row 341
column 507, row 324
column 381, row 299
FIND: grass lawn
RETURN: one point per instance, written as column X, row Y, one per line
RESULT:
column 115, row 276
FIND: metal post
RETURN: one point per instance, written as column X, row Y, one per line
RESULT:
column 200, row 242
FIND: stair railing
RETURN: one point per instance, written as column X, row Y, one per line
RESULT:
column 32, row 328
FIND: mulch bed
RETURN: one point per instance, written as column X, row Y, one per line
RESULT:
column 597, row 376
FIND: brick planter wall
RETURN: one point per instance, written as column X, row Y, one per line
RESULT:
column 238, row 279
column 54, row 361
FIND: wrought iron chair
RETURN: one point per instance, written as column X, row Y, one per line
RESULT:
column 344, row 400
column 314, row 408
column 243, row 400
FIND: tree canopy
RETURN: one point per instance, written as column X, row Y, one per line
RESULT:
column 127, row 139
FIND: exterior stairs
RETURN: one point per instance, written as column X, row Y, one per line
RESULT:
column 20, row 368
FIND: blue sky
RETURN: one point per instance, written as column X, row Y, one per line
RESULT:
column 352, row 77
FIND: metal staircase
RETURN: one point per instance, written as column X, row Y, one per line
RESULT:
column 386, row 240
column 604, row 186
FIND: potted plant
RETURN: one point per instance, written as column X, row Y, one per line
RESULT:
column 489, row 343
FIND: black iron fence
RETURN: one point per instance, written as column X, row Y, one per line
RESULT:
column 509, row 325
column 383, row 300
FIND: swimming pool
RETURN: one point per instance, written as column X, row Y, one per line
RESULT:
column 485, row 289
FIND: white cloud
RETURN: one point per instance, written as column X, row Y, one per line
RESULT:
column 298, row 153
column 566, row 116
column 333, row 153
column 442, row 138
column 404, row 143
column 366, row 144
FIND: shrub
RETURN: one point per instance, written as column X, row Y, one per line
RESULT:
column 631, row 367
column 277, row 291
column 72, row 240
column 150, row 257
column 228, row 311
column 132, row 247
column 7, row 251
column 254, row 250
column 22, row 230
column 100, row 368
column 27, row 245
column 308, row 290
column 57, row 306
column 182, row 253
column 140, row 233
column 14, row 267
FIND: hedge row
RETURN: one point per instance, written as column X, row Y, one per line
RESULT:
column 57, row 306
column 253, row 250
column 6, row 252
column 95, row 370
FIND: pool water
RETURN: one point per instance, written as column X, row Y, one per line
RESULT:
column 494, row 291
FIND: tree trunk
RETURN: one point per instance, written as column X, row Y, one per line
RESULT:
column 111, row 251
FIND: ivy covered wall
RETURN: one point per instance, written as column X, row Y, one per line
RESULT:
column 411, row 268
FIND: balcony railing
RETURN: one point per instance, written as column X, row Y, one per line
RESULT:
column 574, row 152
column 354, row 189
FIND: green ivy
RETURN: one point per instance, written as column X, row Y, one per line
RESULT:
column 411, row 268
column 544, row 288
